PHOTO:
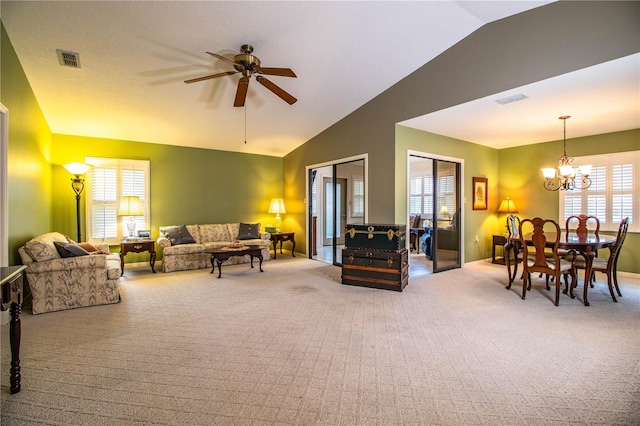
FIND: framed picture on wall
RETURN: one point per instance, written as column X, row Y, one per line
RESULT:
column 479, row 193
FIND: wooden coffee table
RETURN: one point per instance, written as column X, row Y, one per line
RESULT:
column 220, row 254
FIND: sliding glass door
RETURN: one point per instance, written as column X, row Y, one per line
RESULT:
column 446, row 229
column 337, row 196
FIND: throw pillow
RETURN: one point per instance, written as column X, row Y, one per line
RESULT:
column 249, row 231
column 70, row 250
column 177, row 235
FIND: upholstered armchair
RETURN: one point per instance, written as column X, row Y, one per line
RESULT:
column 79, row 280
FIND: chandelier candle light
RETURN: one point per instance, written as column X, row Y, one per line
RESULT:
column 77, row 184
column 277, row 207
column 563, row 177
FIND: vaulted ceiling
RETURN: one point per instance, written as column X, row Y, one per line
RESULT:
column 134, row 58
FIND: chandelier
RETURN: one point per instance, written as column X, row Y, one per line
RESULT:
column 563, row 177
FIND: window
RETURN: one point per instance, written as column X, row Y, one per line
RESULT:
column 614, row 192
column 358, row 197
column 446, row 194
column 109, row 180
column 421, row 195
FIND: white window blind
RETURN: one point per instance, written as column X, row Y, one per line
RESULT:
column 614, row 192
column 110, row 179
column 358, row 197
column 421, row 195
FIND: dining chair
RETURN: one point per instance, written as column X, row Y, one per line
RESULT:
column 609, row 266
column 513, row 226
column 540, row 239
column 583, row 225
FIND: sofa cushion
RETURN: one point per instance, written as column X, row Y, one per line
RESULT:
column 177, row 235
column 249, row 231
column 183, row 249
column 69, row 249
column 214, row 232
column 41, row 248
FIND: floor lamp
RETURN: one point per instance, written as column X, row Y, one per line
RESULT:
column 77, row 184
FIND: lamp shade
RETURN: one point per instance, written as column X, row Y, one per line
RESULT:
column 444, row 210
column 277, row 206
column 77, row 168
column 507, row 206
column 130, row 206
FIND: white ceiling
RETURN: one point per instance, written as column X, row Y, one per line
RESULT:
column 135, row 56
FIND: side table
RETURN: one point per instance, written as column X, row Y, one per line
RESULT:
column 138, row 247
column 280, row 237
column 11, row 278
column 498, row 240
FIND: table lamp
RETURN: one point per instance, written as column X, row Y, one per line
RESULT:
column 130, row 206
column 277, row 207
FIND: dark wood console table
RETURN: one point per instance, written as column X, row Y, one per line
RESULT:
column 11, row 279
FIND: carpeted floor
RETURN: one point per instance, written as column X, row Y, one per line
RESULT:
column 294, row 346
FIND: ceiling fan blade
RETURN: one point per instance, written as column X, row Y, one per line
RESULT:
column 227, row 60
column 241, row 93
column 222, row 74
column 283, row 72
column 276, row 89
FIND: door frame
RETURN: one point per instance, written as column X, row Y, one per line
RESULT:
column 4, row 186
column 307, row 201
column 432, row 156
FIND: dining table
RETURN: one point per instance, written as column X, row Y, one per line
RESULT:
column 585, row 244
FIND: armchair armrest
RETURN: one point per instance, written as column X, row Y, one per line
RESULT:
column 163, row 242
column 68, row 263
column 265, row 236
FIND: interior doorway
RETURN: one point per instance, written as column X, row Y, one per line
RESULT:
column 337, row 196
column 434, row 188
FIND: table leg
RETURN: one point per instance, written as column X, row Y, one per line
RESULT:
column 293, row 248
column 152, row 261
column 121, row 263
column 588, row 265
column 213, row 264
column 275, row 249
column 219, row 262
column 15, row 333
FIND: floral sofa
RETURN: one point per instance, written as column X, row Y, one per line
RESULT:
column 65, row 275
column 183, row 247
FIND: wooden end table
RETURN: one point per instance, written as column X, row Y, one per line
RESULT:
column 132, row 246
column 280, row 237
column 498, row 240
column 11, row 278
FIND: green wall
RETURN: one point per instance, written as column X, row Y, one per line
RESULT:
column 479, row 161
column 188, row 185
column 29, row 153
column 521, row 179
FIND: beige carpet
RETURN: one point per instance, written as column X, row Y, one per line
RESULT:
column 294, row 346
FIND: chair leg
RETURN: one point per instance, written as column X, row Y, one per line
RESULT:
column 557, row 290
column 610, row 284
column 526, row 277
column 615, row 280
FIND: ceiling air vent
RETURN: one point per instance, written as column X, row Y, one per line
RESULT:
column 510, row 99
column 68, row 59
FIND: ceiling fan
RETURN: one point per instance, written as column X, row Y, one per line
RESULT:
column 248, row 65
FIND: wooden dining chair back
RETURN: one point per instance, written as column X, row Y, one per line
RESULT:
column 540, row 239
column 513, row 225
column 583, row 224
column 609, row 266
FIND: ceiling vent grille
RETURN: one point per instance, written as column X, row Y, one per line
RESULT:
column 68, row 59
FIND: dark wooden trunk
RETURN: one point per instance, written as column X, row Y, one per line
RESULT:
column 377, row 237
column 375, row 268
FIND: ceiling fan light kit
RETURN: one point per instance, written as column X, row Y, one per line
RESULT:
column 248, row 65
